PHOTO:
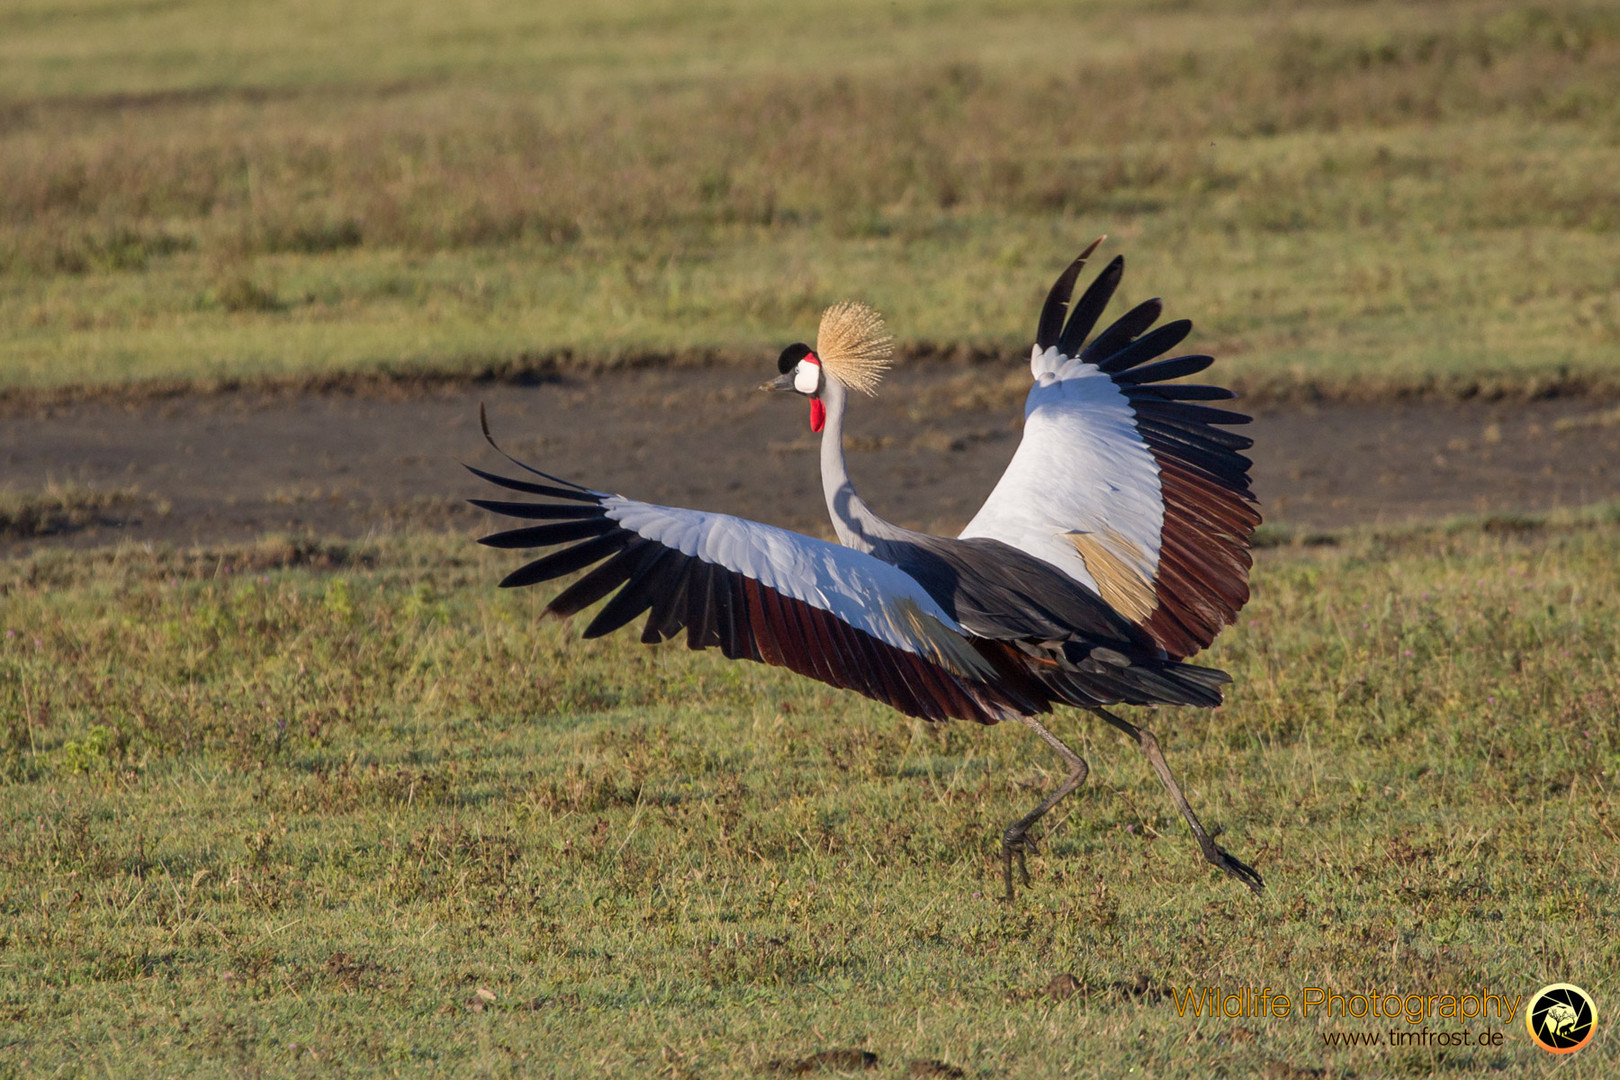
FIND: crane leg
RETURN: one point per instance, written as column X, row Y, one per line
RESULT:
column 1213, row 852
column 1015, row 840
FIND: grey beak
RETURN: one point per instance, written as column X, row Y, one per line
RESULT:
column 781, row 382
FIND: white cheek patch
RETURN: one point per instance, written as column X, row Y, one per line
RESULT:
column 807, row 378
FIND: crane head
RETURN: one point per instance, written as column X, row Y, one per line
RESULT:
column 853, row 349
column 801, row 372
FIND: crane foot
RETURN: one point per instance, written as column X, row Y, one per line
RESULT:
column 1236, row 867
column 1016, row 839
column 1015, row 842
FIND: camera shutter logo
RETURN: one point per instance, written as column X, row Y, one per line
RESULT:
column 1561, row 1018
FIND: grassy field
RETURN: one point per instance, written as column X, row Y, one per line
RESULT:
column 301, row 809
column 1354, row 195
column 304, row 808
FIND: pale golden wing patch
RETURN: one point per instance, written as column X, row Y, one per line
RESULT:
column 946, row 648
column 1109, row 559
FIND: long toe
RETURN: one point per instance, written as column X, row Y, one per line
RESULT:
column 1240, row 870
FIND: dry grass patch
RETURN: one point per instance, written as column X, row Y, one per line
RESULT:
column 69, row 508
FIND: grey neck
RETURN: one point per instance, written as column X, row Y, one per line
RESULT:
column 857, row 526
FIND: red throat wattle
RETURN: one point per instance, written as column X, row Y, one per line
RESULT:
column 818, row 414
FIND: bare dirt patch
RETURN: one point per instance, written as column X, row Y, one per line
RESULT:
column 230, row 466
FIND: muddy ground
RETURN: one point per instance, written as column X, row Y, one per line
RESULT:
column 232, row 466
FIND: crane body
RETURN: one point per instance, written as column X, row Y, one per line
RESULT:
column 1114, row 546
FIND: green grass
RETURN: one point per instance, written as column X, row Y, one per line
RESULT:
column 1364, row 197
column 288, row 809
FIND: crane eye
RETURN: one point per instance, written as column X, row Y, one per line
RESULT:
column 807, row 378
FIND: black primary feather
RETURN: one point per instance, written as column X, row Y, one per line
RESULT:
column 1122, row 331
column 1199, row 415
column 538, row 511
column 565, row 561
column 1152, row 344
column 1174, row 368
column 1090, row 308
column 634, row 597
column 1183, row 392
column 483, row 422
column 1213, row 456
column 545, row 535
column 602, row 580
column 529, row 488
column 1050, row 327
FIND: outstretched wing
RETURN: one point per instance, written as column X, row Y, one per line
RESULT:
column 1121, row 481
column 759, row 593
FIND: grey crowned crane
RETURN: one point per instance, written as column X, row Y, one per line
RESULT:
column 1115, row 546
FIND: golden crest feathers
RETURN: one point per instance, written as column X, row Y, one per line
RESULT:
column 853, row 345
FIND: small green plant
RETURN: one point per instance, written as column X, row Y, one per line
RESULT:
column 338, row 600
column 98, row 751
column 425, row 604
